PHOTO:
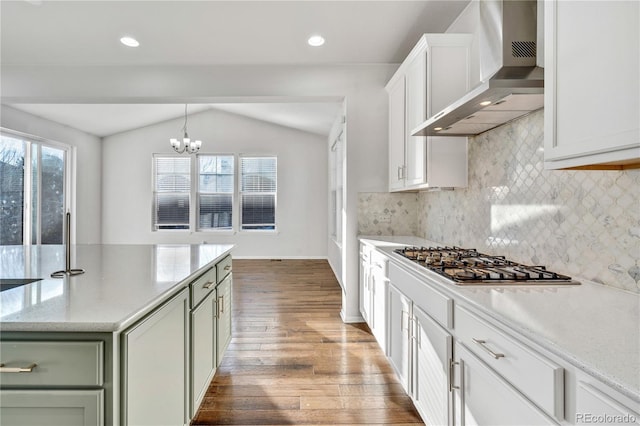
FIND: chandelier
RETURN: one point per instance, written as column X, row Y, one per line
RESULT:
column 185, row 144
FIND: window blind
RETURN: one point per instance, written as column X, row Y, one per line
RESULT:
column 172, row 195
column 258, row 186
column 215, row 191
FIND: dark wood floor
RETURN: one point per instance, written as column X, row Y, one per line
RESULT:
column 293, row 362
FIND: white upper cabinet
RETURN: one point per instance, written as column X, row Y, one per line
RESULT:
column 592, row 89
column 433, row 75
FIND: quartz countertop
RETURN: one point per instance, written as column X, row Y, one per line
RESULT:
column 592, row 326
column 121, row 284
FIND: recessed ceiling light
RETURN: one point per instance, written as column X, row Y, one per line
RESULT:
column 316, row 40
column 437, row 129
column 129, row 41
column 485, row 103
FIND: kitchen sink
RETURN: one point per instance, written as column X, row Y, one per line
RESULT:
column 9, row 283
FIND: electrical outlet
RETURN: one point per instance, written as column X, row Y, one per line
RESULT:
column 383, row 218
column 442, row 219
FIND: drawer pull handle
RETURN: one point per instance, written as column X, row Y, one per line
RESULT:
column 482, row 344
column 28, row 369
column 226, row 268
column 208, row 285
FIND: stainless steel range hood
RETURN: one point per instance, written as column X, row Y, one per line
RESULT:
column 507, row 36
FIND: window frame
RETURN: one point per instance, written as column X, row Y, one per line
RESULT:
column 68, row 199
column 154, row 175
column 241, row 192
column 198, row 192
column 194, row 194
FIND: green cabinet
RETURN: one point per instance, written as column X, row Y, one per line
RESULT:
column 224, row 316
column 52, row 382
column 154, row 370
column 203, row 348
column 51, row 407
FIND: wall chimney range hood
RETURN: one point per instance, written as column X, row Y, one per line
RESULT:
column 507, row 34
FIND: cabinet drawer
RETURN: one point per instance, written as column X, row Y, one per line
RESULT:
column 223, row 268
column 431, row 301
column 531, row 373
column 56, row 363
column 202, row 286
column 380, row 264
column 52, row 407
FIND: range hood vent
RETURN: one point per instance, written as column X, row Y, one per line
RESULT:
column 507, row 44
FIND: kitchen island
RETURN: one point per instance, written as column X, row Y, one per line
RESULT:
column 563, row 353
column 118, row 337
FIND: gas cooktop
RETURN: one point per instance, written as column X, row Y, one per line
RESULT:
column 468, row 266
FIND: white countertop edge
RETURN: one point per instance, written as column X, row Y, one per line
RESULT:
column 123, row 323
column 387, row 244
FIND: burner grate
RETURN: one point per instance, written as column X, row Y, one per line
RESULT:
column 468, row 266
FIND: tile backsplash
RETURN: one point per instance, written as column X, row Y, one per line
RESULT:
column 387, row 213
column 580, row 223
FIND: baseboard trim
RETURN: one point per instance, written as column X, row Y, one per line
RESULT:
column 281, row 257
column 351, row 319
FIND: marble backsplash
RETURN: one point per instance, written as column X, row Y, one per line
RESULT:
column 387, row 213
column 579, row 223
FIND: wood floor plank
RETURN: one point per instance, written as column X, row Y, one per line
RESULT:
column 292, row 361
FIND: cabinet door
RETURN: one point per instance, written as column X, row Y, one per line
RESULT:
column 52, row 407
column 378, row 313
column 594, row 406
column 224, row 316
column 484, row 398
column 365, row 290
column 432, row 356
column 203, row 349
column 416, row 113
column 591, row 103
column 397, row 133
column 154, row 366
column 399, row 347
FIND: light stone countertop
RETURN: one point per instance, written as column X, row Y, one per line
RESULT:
column 594, row 327
column 121, row 284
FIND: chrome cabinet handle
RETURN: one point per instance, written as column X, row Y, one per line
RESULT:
column 222, row 304
column 482, row 344
column 452, row 365
column 208, row 285
column 27, row 369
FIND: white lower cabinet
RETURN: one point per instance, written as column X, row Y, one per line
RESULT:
column 378, row 285
column 399, row 336
column 155, row 360
column 431, row 375
column 482, row 397
column 420, row 351
column 595, row 406
column 374, row 282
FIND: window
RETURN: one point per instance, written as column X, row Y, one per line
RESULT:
column 215, row 192
column 33, row 190
column 258, row 193
column 172, row 192
column 220, row 189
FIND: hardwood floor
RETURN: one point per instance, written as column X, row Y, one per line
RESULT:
column 292, row 361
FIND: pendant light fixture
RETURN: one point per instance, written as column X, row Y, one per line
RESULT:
column 186, row 144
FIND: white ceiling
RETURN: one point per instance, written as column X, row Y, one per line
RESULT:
column 174, row 33
column 108, row 119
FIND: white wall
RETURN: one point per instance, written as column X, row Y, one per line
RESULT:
column 302, row 175
column 362, row 87
column 87, row 212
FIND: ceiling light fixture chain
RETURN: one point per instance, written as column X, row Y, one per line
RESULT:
column 186, row 144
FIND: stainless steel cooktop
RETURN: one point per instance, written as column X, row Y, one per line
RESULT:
column 468, row 266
